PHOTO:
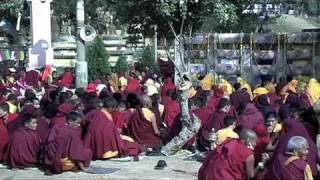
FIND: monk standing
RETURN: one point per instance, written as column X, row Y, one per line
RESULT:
column 233, row 160
column 64, row 149
column 24, row 145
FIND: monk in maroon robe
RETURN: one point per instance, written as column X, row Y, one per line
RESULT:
column 292, row 164
column 134, row 86
column 215, row 122
column 33, row 78
column 61, row 117
column 4, row 135
column 239, row 96
column 167, row 86
column 214, row 101
column 16, row 124
column 172, row 110
column 103, row 138
column 64, row 150
column 294, row 128
column 24, row 145
column 143, row 126
column 250, row 116
column 231, row 160
column 67, row 78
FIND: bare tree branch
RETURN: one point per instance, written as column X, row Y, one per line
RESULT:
column 182, row 25
column 174, row 32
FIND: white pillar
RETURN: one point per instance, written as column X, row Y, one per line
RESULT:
column 41, row 52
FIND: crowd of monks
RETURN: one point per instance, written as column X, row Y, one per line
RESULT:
column 262, row 132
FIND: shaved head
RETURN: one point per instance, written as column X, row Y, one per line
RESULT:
column 248, row 135
column 145, row 100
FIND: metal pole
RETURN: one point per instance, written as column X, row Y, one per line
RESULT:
column 81, row 64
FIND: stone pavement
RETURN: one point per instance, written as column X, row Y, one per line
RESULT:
column 177, row 168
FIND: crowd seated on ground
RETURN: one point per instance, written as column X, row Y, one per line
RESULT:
column 263, row 132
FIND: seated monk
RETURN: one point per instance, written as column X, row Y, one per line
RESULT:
column 67, row 78
column 228, row 131
column 103, row 138
column 231, row 160
column 215, row 123
column 249, row 116
column 24, row 145
column 292, row 164
column 239, row 96
column 64, row 149
column 142, row 126
column 4, row 135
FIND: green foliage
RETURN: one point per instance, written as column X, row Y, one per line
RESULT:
column 98, row 60
column 121, row 65
column 148, row 59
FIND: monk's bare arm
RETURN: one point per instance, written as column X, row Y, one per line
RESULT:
column 250, row 167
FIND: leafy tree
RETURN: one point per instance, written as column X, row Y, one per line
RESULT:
column 121, row 65
column 148, row 59
column 98, row 60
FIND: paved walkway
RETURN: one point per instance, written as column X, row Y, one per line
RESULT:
column 142, row 170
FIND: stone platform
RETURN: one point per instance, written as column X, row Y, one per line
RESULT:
column 177, row 168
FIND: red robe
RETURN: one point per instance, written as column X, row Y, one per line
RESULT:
column 23, row 149
column 134, row 86
column 4, row 140
column 167, row 86
column 250, row 117
column 65, row 142
column 141, row 130
column 119, row 120
column 226, row 162
column 288, row 169
column 67, row 79
column 32, row 78
column 172, row 110
column 103, row 137
column 61, row 117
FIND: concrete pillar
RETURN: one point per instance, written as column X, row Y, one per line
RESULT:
column 41, row 52
column 81, row 64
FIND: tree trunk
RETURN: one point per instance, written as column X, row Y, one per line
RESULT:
column 190, row 127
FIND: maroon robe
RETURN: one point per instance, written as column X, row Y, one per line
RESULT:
column 250, row 117
column 4, row 140
column 172, row 110
column 43, row 128
column 32, row 78
column 102, row 136
column 141, row 130
column 61, row 117
column 67, row 79
column 294, row 128
column 203, row 114
column 214, row 101
column 65, row 142
column 167, row 86
column 262, row 142
column 121, row 119
column 238, row 97
column 227, row 161
column 134, row 86
column 23, row 149
column 289, row 171
column 12, row 126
